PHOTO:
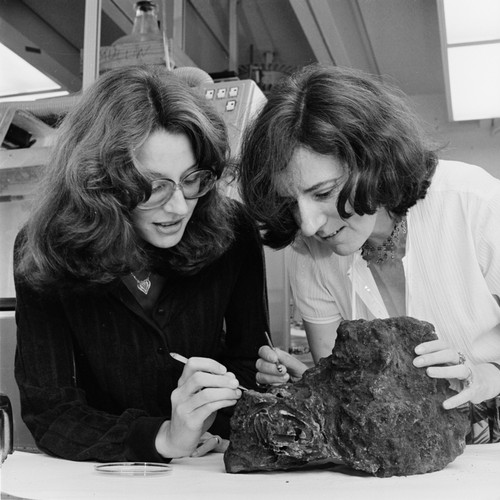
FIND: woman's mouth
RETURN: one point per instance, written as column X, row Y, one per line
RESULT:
column 331, row 235
column 168, row 227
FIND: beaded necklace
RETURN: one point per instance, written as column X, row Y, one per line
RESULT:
column 387, row 250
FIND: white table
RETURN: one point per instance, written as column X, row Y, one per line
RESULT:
column 475, row 475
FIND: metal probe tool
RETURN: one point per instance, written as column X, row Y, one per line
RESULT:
column 184, row 360
column 279, row 366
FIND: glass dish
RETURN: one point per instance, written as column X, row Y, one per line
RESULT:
column 134, row 468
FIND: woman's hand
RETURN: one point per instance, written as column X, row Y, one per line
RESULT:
column 480, row 382
column 210, row 442
column 277, row 366
column 204, row 387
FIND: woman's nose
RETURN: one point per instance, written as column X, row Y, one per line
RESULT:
column 311, row 218
column 177, row 203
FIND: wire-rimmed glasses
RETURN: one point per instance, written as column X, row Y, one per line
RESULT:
column 193, row 185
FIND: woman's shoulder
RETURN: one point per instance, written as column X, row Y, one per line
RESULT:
column 245, row 246
column 245, row 227
column 307, row 255
column 452, row 175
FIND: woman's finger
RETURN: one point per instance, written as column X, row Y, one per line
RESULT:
column 194, row 395
column 210, row 395
column 461, row 372
column 187, row 403
column 268, row 372
column 202, row 380
column 457, row 400
column 441, row 357
column 270, row 368
column 270, row 355
column 196, row 364
column 431, row 346
column 208, row 443
column 266, row 379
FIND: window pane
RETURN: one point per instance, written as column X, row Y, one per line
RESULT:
column 472, row 20
column 475, row 81
column 18, row 76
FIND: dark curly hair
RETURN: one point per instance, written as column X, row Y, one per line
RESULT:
column 353, row 116
column 80, row 228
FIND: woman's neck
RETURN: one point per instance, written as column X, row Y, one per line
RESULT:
column 384, row 225
column 387, row 242
column 146, row 300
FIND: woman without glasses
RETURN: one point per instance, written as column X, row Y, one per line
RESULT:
column 337, row 166
column 133, row 253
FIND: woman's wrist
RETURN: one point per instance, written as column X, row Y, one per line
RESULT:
column 164, row 445
column 161, row 439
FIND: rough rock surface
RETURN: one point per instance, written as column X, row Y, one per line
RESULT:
column 365, row 404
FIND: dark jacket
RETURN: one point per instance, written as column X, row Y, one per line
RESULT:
column 94, row 371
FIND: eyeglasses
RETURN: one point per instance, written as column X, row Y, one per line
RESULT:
column 193, row 185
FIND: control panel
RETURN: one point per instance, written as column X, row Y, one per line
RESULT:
column 237, row 101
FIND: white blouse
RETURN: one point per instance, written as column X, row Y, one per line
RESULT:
column 452, row 266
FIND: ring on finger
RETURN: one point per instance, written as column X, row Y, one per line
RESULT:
column 461, row 358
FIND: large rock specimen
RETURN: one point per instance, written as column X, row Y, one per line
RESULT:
column 365, row 405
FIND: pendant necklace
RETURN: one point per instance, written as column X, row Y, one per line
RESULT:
column 143, row 285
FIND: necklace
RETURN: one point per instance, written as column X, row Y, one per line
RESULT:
column 143, row 285
column 387, row 249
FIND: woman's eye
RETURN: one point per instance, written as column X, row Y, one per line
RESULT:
column 158, row 188
column 190, row 181
column 324, row 195
column 328, row 192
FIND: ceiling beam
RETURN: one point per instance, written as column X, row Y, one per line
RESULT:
column 233, row 36
column 253, row 22
column 122, row 14
column 371, row 60
column 212, row 16
column 320, row 29
column 91, row 42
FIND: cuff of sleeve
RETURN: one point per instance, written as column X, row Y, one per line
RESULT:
column 141, row 440
column 321, row 321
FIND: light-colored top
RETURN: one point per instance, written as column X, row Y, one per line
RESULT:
column 452, row 266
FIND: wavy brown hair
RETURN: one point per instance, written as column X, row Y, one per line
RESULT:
column 351, row 115
column 80, row 228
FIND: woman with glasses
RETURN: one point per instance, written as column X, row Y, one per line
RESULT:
column 133, row 253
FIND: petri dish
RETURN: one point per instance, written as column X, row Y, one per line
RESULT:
column 134, row 468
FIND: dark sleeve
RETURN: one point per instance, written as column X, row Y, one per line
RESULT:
column 247, row 313
column 53, row 406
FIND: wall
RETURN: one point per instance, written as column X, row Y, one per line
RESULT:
column 471, row 142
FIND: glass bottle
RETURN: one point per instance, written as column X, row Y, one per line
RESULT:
column 145, row 27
